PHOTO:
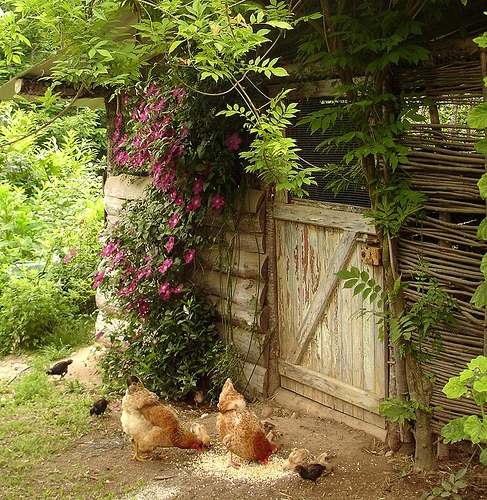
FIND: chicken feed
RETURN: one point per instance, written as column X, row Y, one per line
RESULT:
column 214, row 462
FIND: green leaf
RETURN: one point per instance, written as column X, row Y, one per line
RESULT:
column 454, row 431
column 480, row 363
column 475, row 429
column 344, row 274
column 479, row 297
column 478, row 117
column 174, row 46
column 483, row 456
column 350, row 283
column 482, row 230
column 280, row 72
column 454, row 388
column 480, row 385
column 280, row 24
column 482, row 185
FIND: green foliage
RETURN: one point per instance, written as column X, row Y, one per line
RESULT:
column 362, row 283
column 221, row 43
column 397, row 411
column 434, row 307
column 272, row 155
column 51, row 213
column 31, row 307
column 395, row 205
column 415, row 331
column 180, row 354
column 149, row 255
column 13, row 43
column 471, row 383
column 359, row 44
column 450, row 488
column 479, row 298
column 75, row 248
column 478, row 119
column 20, row 231
column 410, row 329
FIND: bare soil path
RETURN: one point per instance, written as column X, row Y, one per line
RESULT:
column 362, row 469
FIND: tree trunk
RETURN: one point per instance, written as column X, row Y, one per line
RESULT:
column 272, row 380
column 421, row 390
column 397, row 380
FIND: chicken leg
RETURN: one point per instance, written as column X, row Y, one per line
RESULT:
column 231, row 462
column 136, row 453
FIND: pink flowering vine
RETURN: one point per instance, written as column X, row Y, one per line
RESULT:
column 217, row 202
column 194, row 204
column 232, row 142
column 170, row 244
column 198, row 185
column 173, row 221
column 189, row 255
column 69, row 256
column 98, row 279
column 165, row 291
column 143, row 266
column 165, row 266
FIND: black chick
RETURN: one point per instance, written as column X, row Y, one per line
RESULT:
column 99, row 407
column 311, row 471
column 60, row 368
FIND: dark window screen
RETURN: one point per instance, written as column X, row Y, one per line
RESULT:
column 307, row 142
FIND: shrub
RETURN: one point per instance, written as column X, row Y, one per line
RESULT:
column 77, row 255
column 150, row 255
column 31, row 308
column 179, row 355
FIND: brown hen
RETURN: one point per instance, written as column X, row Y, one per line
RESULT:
column 240, row 431
column 152, row 424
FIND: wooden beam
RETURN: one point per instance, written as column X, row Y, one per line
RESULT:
column 336, row 388
column 243, row 264
column 305, row 406
column 31, row 86
column 325, row 217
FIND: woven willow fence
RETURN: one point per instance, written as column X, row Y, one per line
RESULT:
column 444, row 166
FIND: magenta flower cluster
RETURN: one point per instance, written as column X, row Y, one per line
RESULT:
column 152, row 141
column 155, row 145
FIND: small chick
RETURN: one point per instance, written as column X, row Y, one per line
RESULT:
column 296, row 457
column 199, row 398
column 199, row 430
column 275, row 437
column 99, row 407
column 60, row 368
column 323, row 457
column 268, row 425
column 311, row 472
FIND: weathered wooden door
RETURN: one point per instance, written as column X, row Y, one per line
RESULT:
column 330, row 353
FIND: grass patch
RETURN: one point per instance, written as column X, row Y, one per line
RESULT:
column 40, row 419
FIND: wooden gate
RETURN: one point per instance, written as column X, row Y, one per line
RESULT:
column 330, row 353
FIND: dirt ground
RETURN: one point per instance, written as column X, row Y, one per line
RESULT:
column 362, row 468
